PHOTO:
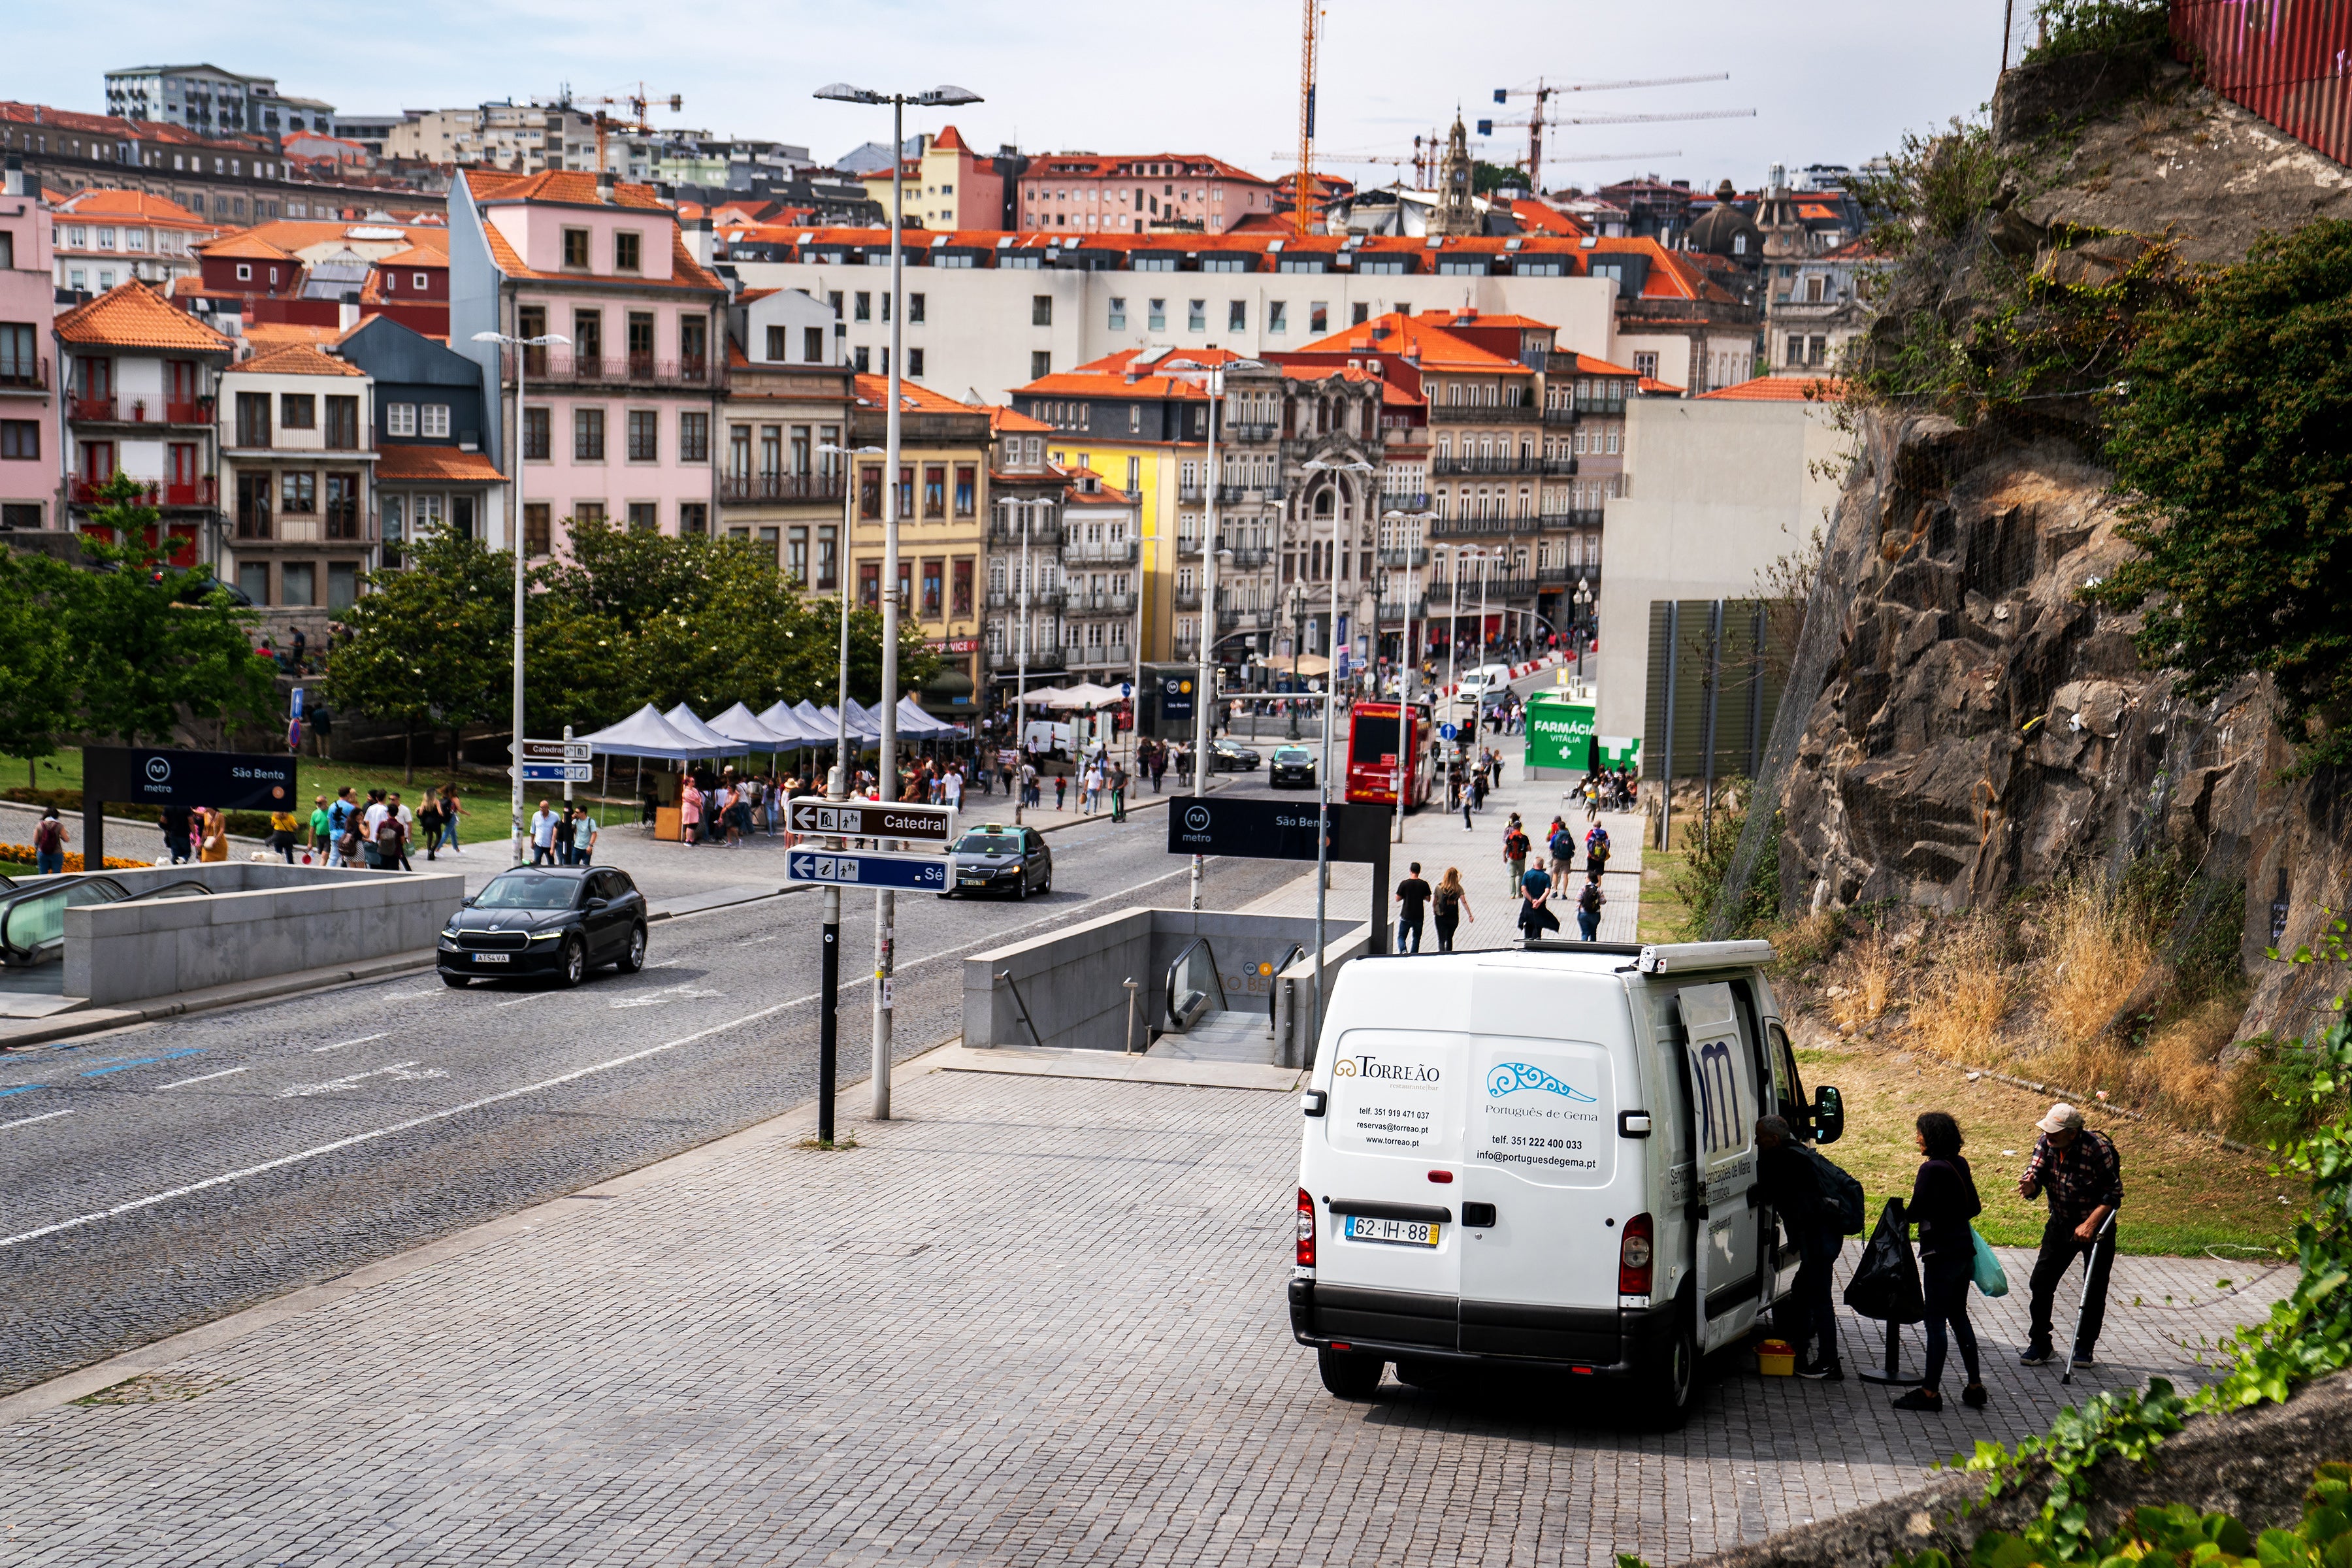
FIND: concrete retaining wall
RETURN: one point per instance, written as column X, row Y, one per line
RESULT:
column 260, row 920
column 1071, row 980
column 1294, row 1018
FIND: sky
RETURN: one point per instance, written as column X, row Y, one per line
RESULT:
column 1835, row 82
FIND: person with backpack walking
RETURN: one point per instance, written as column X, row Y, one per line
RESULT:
column 2084, row 1177
column 1588, row 909
column 1413, row 895
column 1806, row 1194
column 390, row 841
column 1448, row 905
column 1560, row 845
column 1943, row 1200
column 1515, row 849
column 49, row 844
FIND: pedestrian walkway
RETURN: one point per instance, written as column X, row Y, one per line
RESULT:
column 1438, row 839
column 1037, row 1319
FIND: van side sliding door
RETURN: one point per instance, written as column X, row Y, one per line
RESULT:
column 1719, row 1061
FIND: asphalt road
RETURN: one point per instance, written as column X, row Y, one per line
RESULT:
column 163, row 1176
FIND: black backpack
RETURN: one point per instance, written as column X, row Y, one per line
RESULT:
column 1842, row 1197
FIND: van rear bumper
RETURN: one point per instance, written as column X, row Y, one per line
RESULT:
column 1605, row 1340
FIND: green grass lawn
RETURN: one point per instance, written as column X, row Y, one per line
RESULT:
column 14, row 868
column 2181, row 1195
column 483, row 803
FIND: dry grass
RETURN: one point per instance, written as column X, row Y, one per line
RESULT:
column 2099, row 958
column 1869, row 988
column 2177, row 1072
column 1959, row 1018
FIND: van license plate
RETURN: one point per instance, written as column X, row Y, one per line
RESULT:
column 1398, row 1232
column 491, row 957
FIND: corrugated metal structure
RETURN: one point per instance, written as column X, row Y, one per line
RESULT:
column 1717, row 669
column 2289, row 61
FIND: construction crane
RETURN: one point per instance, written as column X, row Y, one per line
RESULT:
column 1543, row 92
column 606, row 122
column 1302, row 193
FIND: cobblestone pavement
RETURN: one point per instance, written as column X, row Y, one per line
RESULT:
column 1034, row 1321
column 206, row 1162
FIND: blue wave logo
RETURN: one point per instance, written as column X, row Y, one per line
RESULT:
column 1509, row 1077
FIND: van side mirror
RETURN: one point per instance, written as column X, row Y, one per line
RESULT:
column 1828, row 1115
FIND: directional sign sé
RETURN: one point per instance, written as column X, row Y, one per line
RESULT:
column 868, row 868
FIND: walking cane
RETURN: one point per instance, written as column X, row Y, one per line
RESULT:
column 2090, row 1261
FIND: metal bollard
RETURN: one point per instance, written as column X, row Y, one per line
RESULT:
column 1130, row 983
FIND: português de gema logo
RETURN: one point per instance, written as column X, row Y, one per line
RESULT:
column 1509, row 1077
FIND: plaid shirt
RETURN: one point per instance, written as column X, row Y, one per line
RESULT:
column 2086, row 1176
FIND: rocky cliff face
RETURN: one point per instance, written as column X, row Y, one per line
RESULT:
column 1981, row 728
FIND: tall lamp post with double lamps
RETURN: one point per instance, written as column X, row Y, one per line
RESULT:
column 514, row 537
column 1340, row 522
column 886, row 767
column 1407, row 663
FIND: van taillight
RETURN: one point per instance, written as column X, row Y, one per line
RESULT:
column 1634, row 1254
column 1305, row 1230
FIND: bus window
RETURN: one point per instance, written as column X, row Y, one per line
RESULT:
column 1372, row 741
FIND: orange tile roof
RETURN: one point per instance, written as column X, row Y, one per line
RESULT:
column 575, row 187
column 398, row 462
column 1046, row 167
column 245, row 246
column 1073, row 384
column 1120, row 362
column 1537, row 217
column 1588, row 366
column 134, row 316
column 1656, row 388
column 114, row 128
column 1779, row 389
column 1414, row 338
column 1001, row 420
column 290, row 234
column 414, row 256
column 99, row 201
column 1415, row 249
column 297, row 359
column 874, row 392
column 947, row 141
column 271, row 335
column 1443, row 318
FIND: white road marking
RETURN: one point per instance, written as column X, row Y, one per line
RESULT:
column 28, row 1121
column 362, row 1040
column 403, row 996
column 514, row 1000
column 182, row 1083
column 401, row 1070
column 132, row 1205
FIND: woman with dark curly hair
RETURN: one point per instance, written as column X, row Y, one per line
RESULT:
column 1943, row 1200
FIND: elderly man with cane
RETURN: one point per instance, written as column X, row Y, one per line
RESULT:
column 2084, row 1176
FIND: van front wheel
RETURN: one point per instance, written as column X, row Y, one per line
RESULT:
column 1348, row 1375
column 1670, row 1386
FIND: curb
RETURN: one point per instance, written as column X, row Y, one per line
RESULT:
column 98, row 1020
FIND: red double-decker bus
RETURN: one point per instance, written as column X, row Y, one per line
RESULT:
column 1375, row 734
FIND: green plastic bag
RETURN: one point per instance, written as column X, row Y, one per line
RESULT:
column 1990, row 1277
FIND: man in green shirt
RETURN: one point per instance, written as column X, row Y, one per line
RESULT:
column 321, row 829
column 584, row 838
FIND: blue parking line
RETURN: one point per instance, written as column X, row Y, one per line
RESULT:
column 21, row 1088
column 183, row 1052
column 120, row 1067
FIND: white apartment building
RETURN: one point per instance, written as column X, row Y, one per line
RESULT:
column 520, row 137
column 108, row 236
column 988, row 311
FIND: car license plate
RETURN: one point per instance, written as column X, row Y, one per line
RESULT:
column 491, row 957
column 972, row 878
column 1396, row 1232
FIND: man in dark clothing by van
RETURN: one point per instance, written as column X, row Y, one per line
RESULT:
column 2084, row 1176
column 1786, row 1179
column 1412, row 898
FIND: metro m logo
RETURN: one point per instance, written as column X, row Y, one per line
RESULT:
column 1716, row 1080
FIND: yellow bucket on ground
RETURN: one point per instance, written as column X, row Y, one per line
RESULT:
column 1776, row 1358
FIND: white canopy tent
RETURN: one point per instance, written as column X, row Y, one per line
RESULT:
column 683, row 719
column 740, row 723
column 1041, row 695
column 916, row 723
column 1085, row 694
column 647, row 733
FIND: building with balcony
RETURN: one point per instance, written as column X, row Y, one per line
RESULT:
column 28, row 379
column 298, row 453
column 520, row 138
column 615, row 421
column 431, row 471
column 105, row 237
column 1099, row 574
column 1025, row 491
column 1136, row 194
column 206, row 98
column 946, row 186
column 942, row 502
column 139, row 382
column 787, row 402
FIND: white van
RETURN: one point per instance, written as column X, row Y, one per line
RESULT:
column 1484, row 681
column 1511, row 1158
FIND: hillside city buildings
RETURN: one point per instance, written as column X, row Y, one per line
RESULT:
column 1421, row 406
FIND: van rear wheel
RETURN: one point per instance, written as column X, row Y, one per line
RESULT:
column 1670, row 1384
column 1348, row 1375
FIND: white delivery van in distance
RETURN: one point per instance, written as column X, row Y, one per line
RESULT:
column 1544, row 1156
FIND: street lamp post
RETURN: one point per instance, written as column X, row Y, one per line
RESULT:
column 886, row 773
column 514, row 538
column 837, row 788
column 1406, row 661
column 1330, row 697
column 1576, row 628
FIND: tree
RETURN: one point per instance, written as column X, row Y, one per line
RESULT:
column 36, row 684
column 156, row 642
column 2233, row 451
column 1487, row 178
column 429, row 645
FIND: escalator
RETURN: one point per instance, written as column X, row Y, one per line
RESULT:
column 1201, row 1024
column 33, row 912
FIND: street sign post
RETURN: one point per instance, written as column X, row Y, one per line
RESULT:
column 1274, row 830
column 557, row 752
column 559, row 773
column 147, row 775
column 870, row 819
column 868, row 868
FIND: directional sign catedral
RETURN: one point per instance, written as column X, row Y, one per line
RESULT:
column 868, row 868
column 870, row 819
column 557, row 752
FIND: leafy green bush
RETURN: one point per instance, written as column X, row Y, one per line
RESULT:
column 2088, row 26
column 1710, row 848
column 2179, row 1534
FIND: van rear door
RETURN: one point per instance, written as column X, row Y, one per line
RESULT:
column 1721, row 1101
column 1393, row 1117
column 1552, row 1059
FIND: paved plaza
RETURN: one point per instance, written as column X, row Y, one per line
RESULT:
column 1034, row 1319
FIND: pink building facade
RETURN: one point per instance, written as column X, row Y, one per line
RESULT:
column 618, row 421
column 30, row 462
